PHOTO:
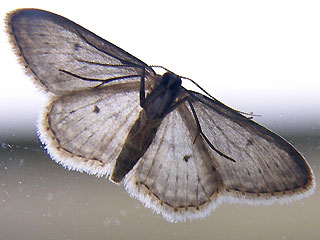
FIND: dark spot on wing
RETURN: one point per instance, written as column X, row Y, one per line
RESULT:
column 186, row 158
column 249, row 142
column 267, row 164
column 96, row 109
column 76, row 47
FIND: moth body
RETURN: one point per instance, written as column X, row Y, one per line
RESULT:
column 155, row 107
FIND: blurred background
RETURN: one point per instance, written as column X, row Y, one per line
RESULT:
column 254, row 56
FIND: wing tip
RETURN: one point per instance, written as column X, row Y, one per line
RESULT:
column 16, row 49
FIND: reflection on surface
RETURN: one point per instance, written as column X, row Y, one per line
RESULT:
column 39, row 199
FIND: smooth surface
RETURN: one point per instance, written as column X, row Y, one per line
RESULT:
column 42, row 200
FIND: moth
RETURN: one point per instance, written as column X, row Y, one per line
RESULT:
column 179, row 152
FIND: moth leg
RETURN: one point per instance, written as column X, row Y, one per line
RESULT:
column 102, row 81
column 177, row 104
column 203, row 135
column 142, row 88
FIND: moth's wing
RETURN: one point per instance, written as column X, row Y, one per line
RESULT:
column 182, row 177
column 63, row 56
column 85, row 130
column 267, row 167
column 95, row 87
column 176, row 177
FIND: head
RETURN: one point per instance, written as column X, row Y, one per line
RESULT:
column 171, row 81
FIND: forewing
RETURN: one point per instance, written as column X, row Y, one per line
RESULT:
column 64, row 56
column 176, row 176
column 85, row 130
column 266, row 168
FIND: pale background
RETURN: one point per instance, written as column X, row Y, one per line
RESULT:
column 255, row 56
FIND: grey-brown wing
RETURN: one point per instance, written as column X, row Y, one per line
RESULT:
column 267, row 167
column 182, row 177
column 63, row 56
column 86, row 130
column 176, row 177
